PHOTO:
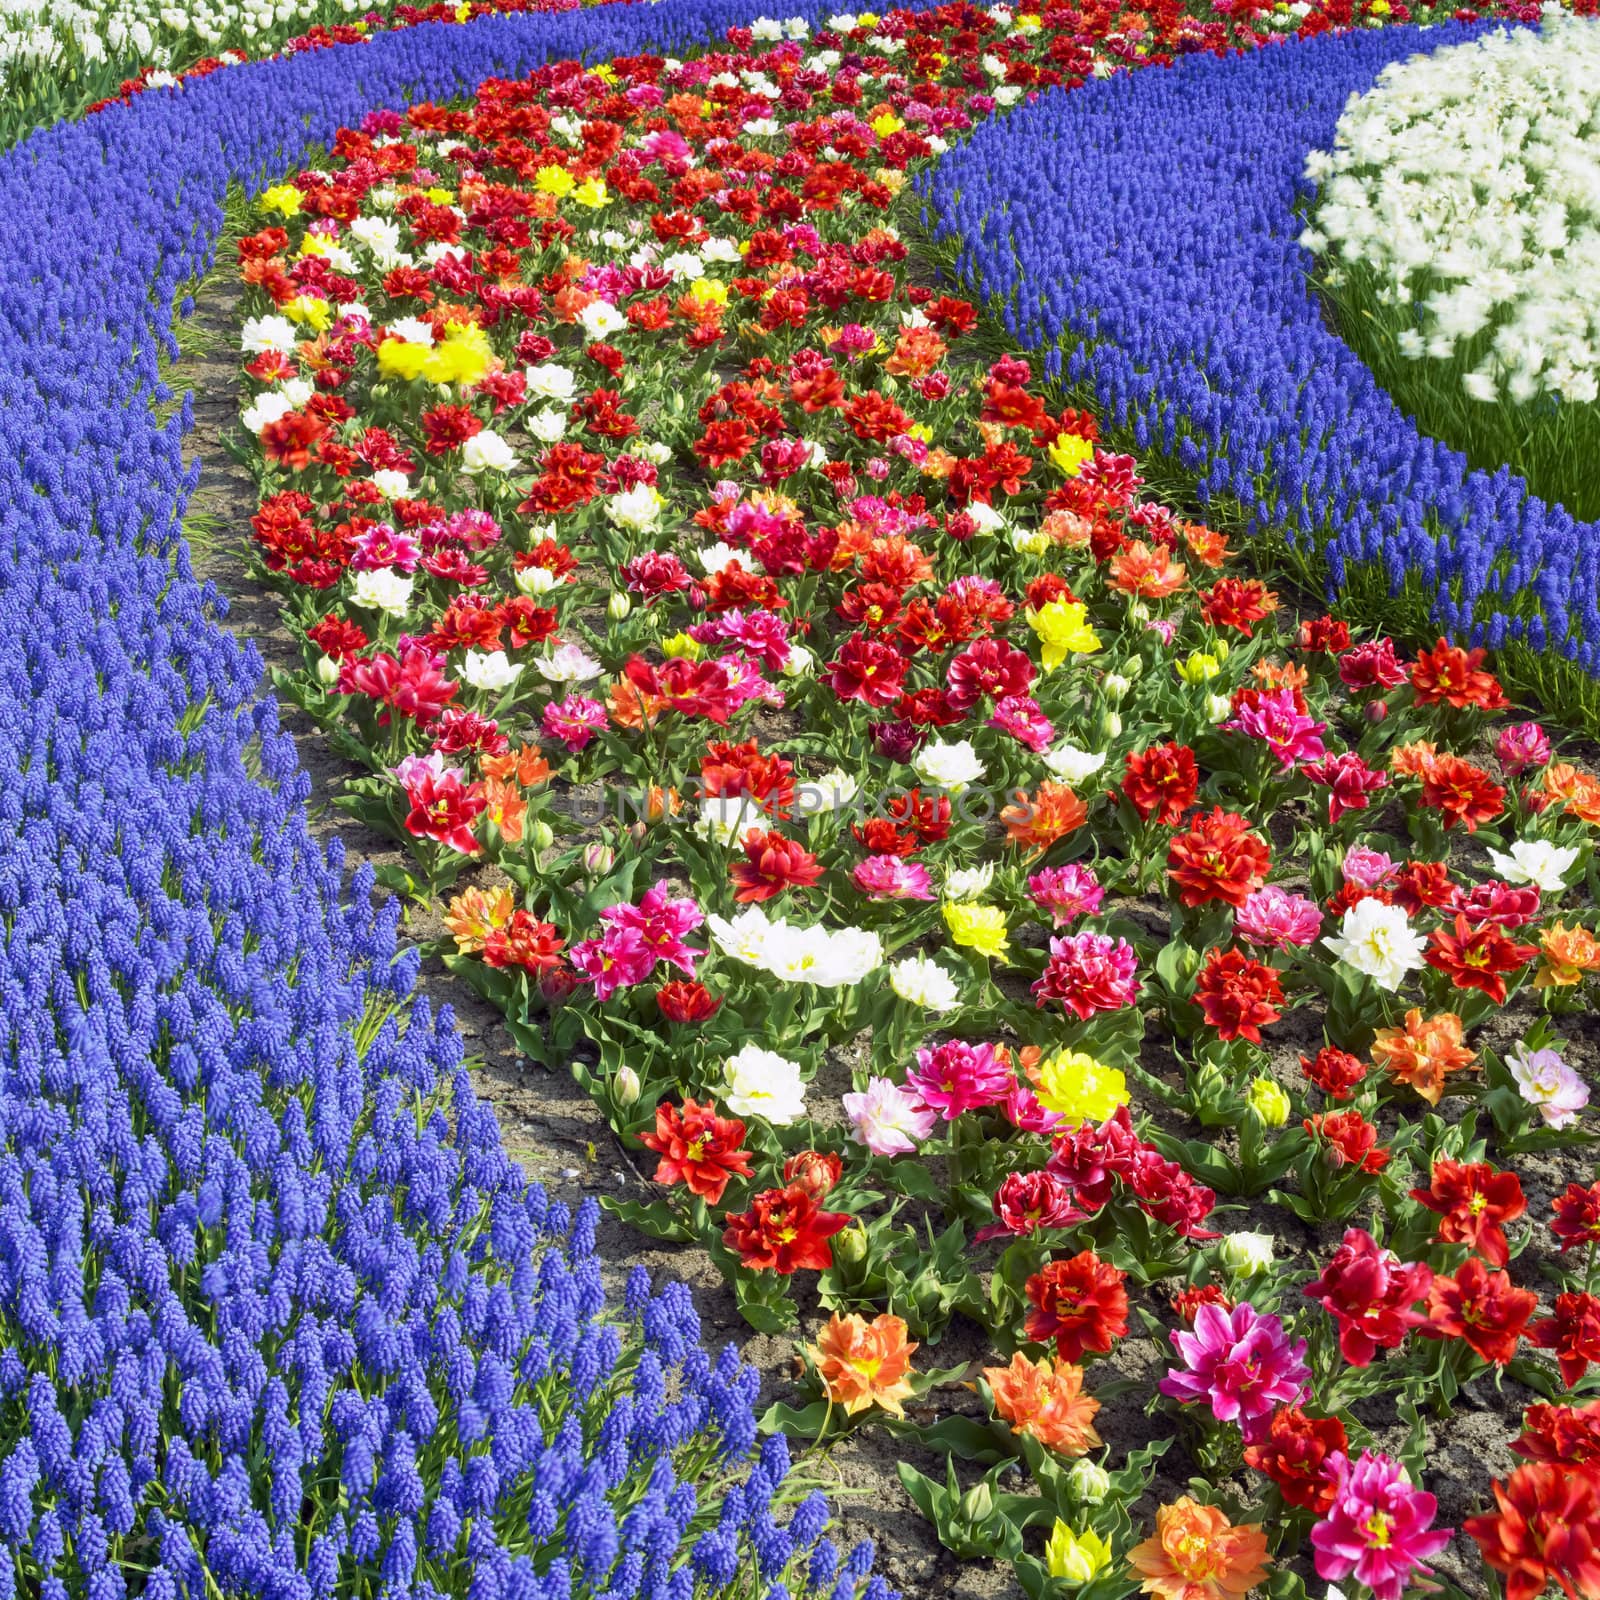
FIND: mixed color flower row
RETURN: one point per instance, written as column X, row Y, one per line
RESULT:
column 279, row 1315
column 816, row 736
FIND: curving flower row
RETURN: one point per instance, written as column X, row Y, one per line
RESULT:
column 61, row 57
column 951, row 871
column 279, row 1315
column 1166, row 266
column 320, row 36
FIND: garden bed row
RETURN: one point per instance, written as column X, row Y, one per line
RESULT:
column 281, row 1316
column 813, row 732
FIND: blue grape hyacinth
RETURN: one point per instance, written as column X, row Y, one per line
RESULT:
column 280, row 1317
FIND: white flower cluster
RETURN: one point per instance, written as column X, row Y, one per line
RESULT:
column 38, row 36
column 830, row 958
column 1468, row 183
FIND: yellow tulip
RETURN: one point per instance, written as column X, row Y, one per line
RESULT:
column 283, row 198
column 312, row 310
column 398, row 359
column 1198, row 667
column 464, row 356
column 1080, row 1088
column 1069, row 453
column 977, row 927
column 1063, row 629
column 1075, row 1557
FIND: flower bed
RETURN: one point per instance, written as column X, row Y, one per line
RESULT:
column 280, row 1318
column 1167, row 266
column 812, row 733
column 1459, row 217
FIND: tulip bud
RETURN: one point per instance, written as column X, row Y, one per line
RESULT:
column 662, row 802
column 327, row 671
column 850, row 1245
column 1376, row 710
column 1218, row 707
column 1269, row 1102
column 535, row 581
column 1116, row 687
column 1210, row 1083
column 1132, row 667
column 598, row 859
column 1246, row 1254
column 627, row 1086
column 540, row 835
column 815, row 1171
column 619, row 605
column 1198, row 667
column 1075, row 1559
column 1139, row 611
column 1111, row 726
column 977, row 1504
column 1221, row 649
column 1088, row 1482
column 557, row 984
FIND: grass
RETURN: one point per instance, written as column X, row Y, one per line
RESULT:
column 38, row 96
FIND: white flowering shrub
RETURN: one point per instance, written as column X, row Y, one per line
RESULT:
column 1458, row 223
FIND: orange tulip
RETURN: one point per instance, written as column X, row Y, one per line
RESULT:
column 1422, row 1053
column 475, row 914
column 1280, row 675
column 1206, row 545
column 1568, row 954
column 1579, row 792
column 1197, row 1554
column 1413, row 760
column 1069, row 529
column 863, row 1363
column 631, row 707
column 916, row 353
column 1045, row 1398
column 526, row 765
column 661, row 803
column 506, row 808
column 1051, row 814
column 1146, row 571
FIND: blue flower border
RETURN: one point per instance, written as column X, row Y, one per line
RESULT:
column 1144, row 229
column 248, row 1200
